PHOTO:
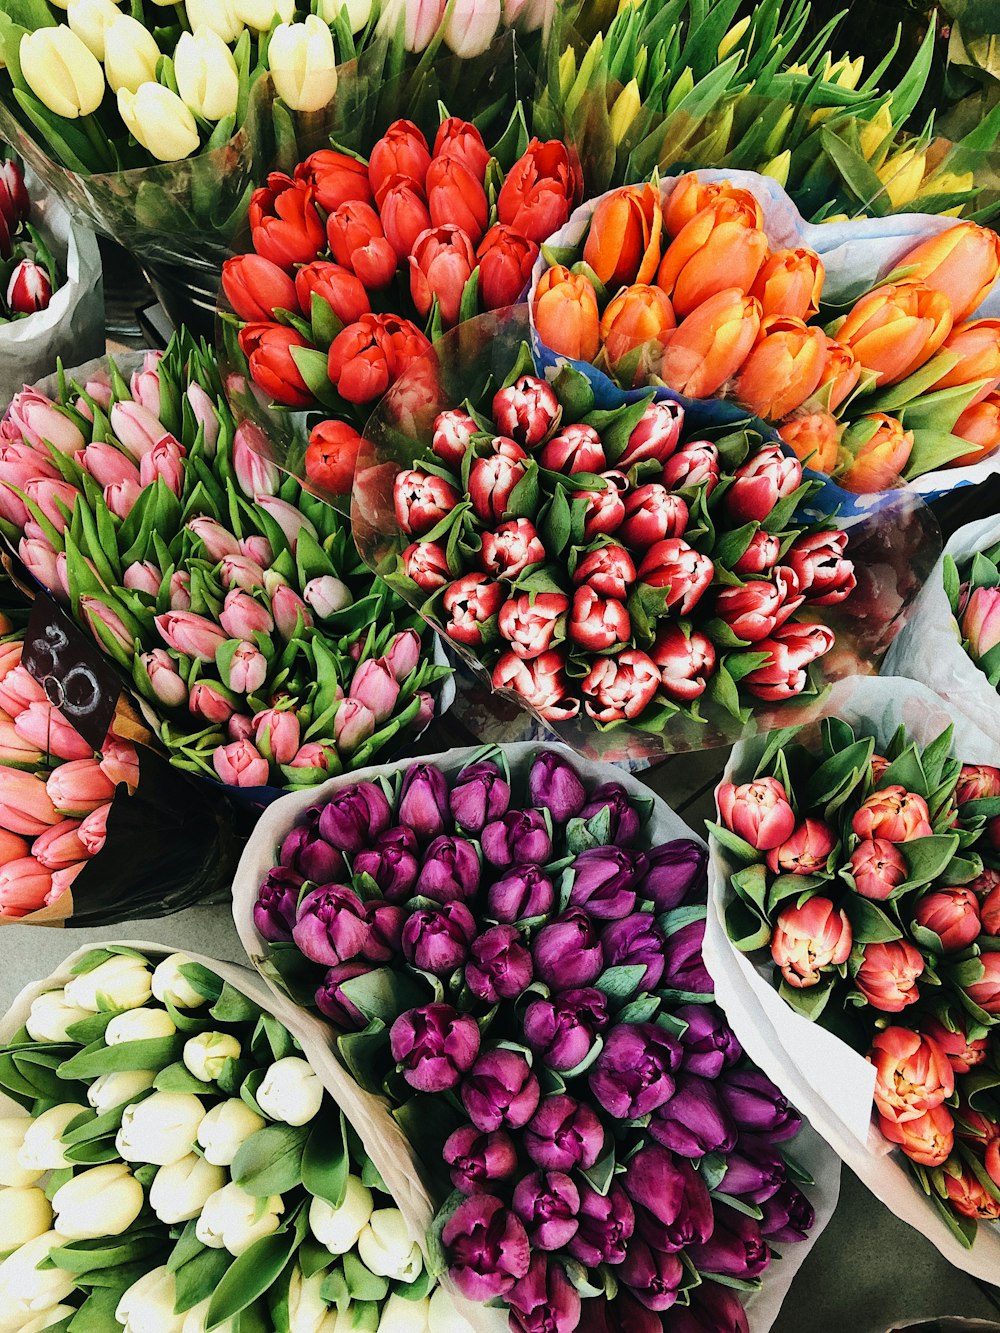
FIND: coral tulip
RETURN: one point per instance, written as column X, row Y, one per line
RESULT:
column 709, row 347
column 927, row 1140
column 881, row 449
column 565, row 314
column 912, row 1075
column 634, row 319
column 623, row 244
column 809, row 939
column 980, row 425
column 722, row 247
column 887, row 977
column 814, row 439
column 977, row 344
column 790, row 282
column 962, row 263
column 690, row 196
column 841, row 371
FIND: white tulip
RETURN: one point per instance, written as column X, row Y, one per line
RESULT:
column 157, row 119
column 120, row 983
column 205, row 1056
column 144, row 1024
column 219, row 15
column 50, row 1016
column 196, row 1320
column 290, row 1091
column 130, row 54
column 26, row 1290
column 61, row 72
column 358, row 11
column 303, row 64
column 232, row 1219
column 42, row 1149
column 443, row 1316
column 339, row 1228
column 89, row 19
column 207, row 78
column 169, row 983
column 225, row 1128
column 179, row 1191
column 103, row 1201
column 308, row 1312
column 26, row 1213
column 387, row 1248
column 162, row 1129
column 148, row 1305
column 12, row 1172
column 124, row 1085
column 471, row 26
column 49, row 1319
column 261, row 14
column 402, row 1316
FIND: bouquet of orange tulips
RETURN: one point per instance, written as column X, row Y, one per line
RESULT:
column 702, row 284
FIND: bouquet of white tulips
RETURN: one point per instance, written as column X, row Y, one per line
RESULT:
column 170, row 1162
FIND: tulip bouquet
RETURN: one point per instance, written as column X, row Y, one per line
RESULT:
column 871, row 880
column 682, row 285
column 237, row 605
column 170, row 1160
column 28, row 274
column 510, row 948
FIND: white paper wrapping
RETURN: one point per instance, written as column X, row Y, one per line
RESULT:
column 830, row 1083
column 72, row 327
column 664, row 826
column 929, row 648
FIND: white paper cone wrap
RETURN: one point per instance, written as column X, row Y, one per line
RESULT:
column 663, row 826
column 831, row 1084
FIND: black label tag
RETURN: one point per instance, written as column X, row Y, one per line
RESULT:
column 72, row 671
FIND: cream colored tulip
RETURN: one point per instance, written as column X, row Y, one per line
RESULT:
column 124, row 1085
column 120, row 983
column 219, row 15
column 26, row 1213
column 261, row 14
column 145, row 1024
column 169, row 982
column 339, row 1228
column 303, row 64
column 27, row 1291
column 42, row 1149
column 103, row 1201
column 358, row 12
column 290, row 1091
column 225, row 1128
column 443, row 1317
column 205, row 1056
column 130, row 54
column 387, row 1248
column 12, row 1171
column 207, row 78
column 159, row 121
column 89, row 19
column 148, row 1305
column 233, row 1220
column 49, row 1319
column 51, row 1015
column 180, row 1191
column 61, row 72
column 160, row 1130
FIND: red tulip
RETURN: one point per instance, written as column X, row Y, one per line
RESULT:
column 976, row 782
column 758, row 812
column 756, row 610
column 597, row 623
column 927, row 1140
column 284, row 224
column 368, row 356
column 541, row 682
column 268, row 348
column 401, row 151
column 694, row 464
column 531, row 623
column 404, row 214
column 29, row 288
column 505, row 259
column 652, row 514
column 825, row 576
column 440, row 266
column 460, row 139
column 332, row 455
column 453, row 430
column 809, row 940
column 953, row 915
column 608, row 570
column 805, row 852
column 421, row 501
column 887, row 977
column 791, row 649
column 539, row 191
column 256, row 288
column 426, row 564
column 338, row 287
column 684, row 573
column 575, row 448
column 893, row 813
column 509, row 550
column 767, row 476
column 358, row 243
column 686, row 662
column 492, row 479
column 334, row 178
column 620, row 687
column 455, row 195
column 471, row 602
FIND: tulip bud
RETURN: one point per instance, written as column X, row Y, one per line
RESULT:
column 122, row 982
column 566, row 315
column 888, row 975
column 13, row 1175
column 953, row 915
column 145, row 1024
column 103, row 1201
column 234, row 1220
column 170, row 983
column 338, row 1228
column 878, row 868
column 62, row 73
column 303, row 63
column 29, row 288
column 206, row 74
column 222, row 1131
column 113, row 1090
column 29, row 1291
column 206, row 1055
column 290, row 1091
column 489, row 1248
column 51, row 1014
column 809, row 939
column 27, row 1215
column 386, row 1247
column 962, row 263
column 42, row 1147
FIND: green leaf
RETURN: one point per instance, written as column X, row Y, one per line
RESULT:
column 251, row 1275
column 199, row 1277
column 325, row 1163
column 99, row 1059
column 869, row 924
column 927, row 858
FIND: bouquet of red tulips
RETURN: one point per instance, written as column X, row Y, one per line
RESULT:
column 867, row 867
column 28, row 275
column 698, row 284
column 357, row 266
column 513, row 953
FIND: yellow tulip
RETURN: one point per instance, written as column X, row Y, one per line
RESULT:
column 732, row 38
column 159, row 121
column 777, row 168
column 627, row 106
column 901, row 174
column 130, row 54
column 207, row 78
column 873, row 132
column 61, row 72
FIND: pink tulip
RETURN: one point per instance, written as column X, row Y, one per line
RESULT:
column 290, row 520
column 119, row 762
column 94, row 829
column 168, row 685
column 79, row 787
column 24, row 885
column 108, row 465
column 18, row 689
column 425, row 713
column 208, row 702
column 59, row 846
column 10, row 658
column 255, row 473
column 144, row 387
column 54, row 498
column 242, row 617
column 96, row 613
column 61, row 881
column 403, row 653
column 98, row 387
column 180, row 590
column 241, row 765
column 277, row 734
column 240, row 727
column 287, row 606
column 143, row 576
column 326, row 595
column 981, row 621
column 353, row 723
column 239, row 571
column 121, row 496
column 256, row 548
column 312, row 755
column 164, row 462
column 248, row 669
column 40, row 559
column 39, row 420
column 20, row 461
column 136, row 428
column 47, row 729
column 15, row 750
column 205, row 414
column 12, row 846
column 758, row 812
column 217, row 541
column 953, row 915
column 191, row 634
column 25, row 805
column 376, row 687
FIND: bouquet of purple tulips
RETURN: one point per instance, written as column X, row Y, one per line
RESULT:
column 514, row 958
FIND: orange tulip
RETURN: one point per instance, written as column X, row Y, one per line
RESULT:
column 711, row 344
column 881, row 449
column 566, row 314
column 978, row 344
column 980, row 425
column 783, row 369
column 721, row 247
column 637, row 317
column 623, row 244
column 962, row 263
column 841, row 371
column 689, row 196
column 928, row 1140
column 814, row 438
column 790, row 283
column 895, row 329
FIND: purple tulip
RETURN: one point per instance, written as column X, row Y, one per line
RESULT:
column 604, row 881
column 519, row 835
column 331, row 926
column 568, row 952
column 500, row 1090
column 606, row 1223
column 683, row 966
column 480, row 795
column 305, row 851
column 654, row 1279
column 331, row 1000
column 435, row 1046
column 563, row 1134
column 423, row 801
column 437, row 939
column 355, row 816
column 632, row 941
column 450, row 870
column 709, row 1043
column 756, row 1104
column 545, row 1301
column 788, row 1215
column 392, row 863
column 499, row 965
column 693, row 1122
column 385, row 937
column 487, row 1248
column 562, row 1031
column 554, row 785
column 624, row 818
column 547, row 1202
column 713, row 1309
column 754, row 1170
column 522, row 893
column 668, row 1221
column 736, row 1247
column 675, row 869
column 622, row 1315
column 633, row 1075
column 476, row 1159
column 277, row 902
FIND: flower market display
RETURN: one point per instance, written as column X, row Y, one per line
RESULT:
column 263, row 650
column 683, row 286
column 507, row 949
column 170, row 1160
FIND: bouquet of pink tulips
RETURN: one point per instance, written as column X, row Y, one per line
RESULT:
column 263, row 649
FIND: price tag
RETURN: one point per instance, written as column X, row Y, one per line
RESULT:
column 72, row 671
